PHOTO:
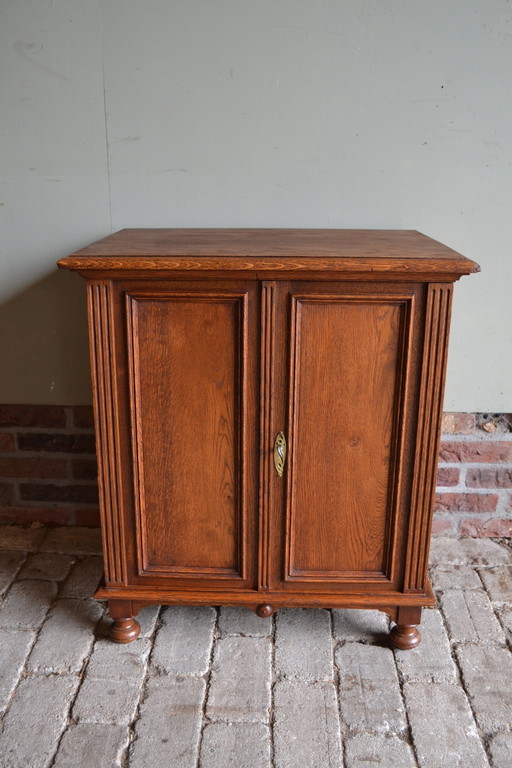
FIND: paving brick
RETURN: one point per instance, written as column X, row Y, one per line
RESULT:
column 498, row 583
column 16, row 537
column 468, row 552
column 455, row 577
column 84, row 469
column 493, row 527
column 235, row 745
column 79, row 494
column 487, row 673
column 360, row 625
column 500, row 748
column 447, row 476
column 66, row 637
column 84, row 578
column 111, row 661
column 75, row 541
column 10, row 563
column 167, row 731
column 35, row 720
column 459, row 423
column 147, row 618
column 303, row 646
column 14, row 648
column 240, row 680
column 306, row 725
column 48, row 566
column 505, row 616
column 466, row 502
column 32, row 416
column 431, row 660
column 35, row 513
column 26, row 604
column 107, row 701
column 6, row 442
column 6, row 494
column 103, row 744
column 88, row 516
column 34, row 466
column 489, row 477
column 368, row 689
column 183, row 642
column 367, row 750
column 470, row 617
column 83, row 416
column 56, row 443
column 242, row 621
column 443, row 729
column 475, row 451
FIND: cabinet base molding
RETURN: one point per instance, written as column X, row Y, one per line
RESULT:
column 404, row 635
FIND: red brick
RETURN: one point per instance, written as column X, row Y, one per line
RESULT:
column 6, row 441
column 83, row 416
column 32, row 416
column 439, row 525
column 458, row 423
column 33, row 467
column 494, row 526
column 84, row 469
column 488, row 477
column 46, row 515
column 466, row 502
column 88, row 517
column 447, row 476
column 6, row 493
column 34, row 441
column 81, row 494
column 476, row 451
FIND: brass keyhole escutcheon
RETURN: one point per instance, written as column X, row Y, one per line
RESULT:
column 279, row 453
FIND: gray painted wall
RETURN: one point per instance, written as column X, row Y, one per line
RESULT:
column 334, row 113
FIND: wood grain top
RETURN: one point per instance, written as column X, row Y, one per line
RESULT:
column 344, row 250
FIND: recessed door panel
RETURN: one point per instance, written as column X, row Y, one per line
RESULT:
column 190, row 394
column 347, row 361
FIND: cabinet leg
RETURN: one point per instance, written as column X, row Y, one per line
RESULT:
column 124, row 628
column 405, row 634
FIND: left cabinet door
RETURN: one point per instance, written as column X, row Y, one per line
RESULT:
column 186, row 361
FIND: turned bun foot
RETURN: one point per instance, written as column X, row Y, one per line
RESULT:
column 405, row 636
column 264, row 610
column 124, row 630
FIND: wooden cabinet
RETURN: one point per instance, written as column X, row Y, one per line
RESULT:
column 268, row 407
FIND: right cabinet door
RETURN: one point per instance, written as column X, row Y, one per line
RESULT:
column 352, row 355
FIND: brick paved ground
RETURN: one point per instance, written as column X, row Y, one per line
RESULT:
column 210, row 688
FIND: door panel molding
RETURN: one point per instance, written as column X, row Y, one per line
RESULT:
column 379, row 563
column 217, row 323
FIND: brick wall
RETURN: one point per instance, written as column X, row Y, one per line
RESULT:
column 474, row 483
column 48, row 470
column 48, row 465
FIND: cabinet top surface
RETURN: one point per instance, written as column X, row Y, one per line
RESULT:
column 343, row 250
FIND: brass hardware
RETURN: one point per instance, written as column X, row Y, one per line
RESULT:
column 280, row 453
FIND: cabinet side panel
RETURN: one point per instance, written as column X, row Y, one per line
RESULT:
column 346, row 363
column 187, row 383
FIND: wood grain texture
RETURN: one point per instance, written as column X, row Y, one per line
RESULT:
column 343, row 368
column 435, row 351
column 103, row 371
column 189, row 430
column 356, row 251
